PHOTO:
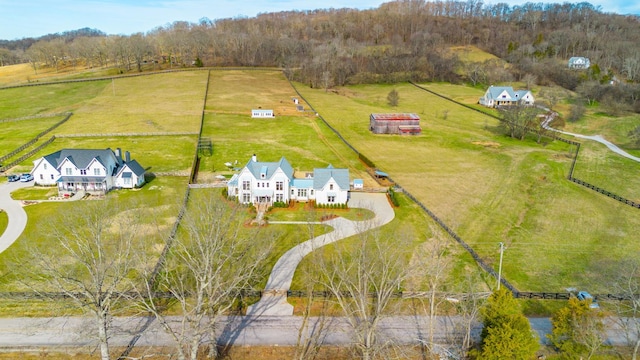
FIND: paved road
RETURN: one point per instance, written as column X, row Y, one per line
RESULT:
column 13, row 208
column 239, row 330
column 274, row 300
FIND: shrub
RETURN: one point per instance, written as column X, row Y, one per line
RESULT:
column 393, row 197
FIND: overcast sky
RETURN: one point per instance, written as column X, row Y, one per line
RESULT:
column 33, row 18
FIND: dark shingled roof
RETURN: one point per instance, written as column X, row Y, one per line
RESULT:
column 79, row 157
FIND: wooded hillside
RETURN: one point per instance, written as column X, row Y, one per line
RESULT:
column 400, row 40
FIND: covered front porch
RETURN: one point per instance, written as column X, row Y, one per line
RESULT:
column 263, row 196
column 68, row 185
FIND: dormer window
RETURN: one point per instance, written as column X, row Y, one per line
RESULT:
column 330, row 186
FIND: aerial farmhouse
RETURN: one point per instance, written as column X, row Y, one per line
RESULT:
column 497, row 96
column 269, row 182
column 579, row 62
column 403, row 124
column 94, row 171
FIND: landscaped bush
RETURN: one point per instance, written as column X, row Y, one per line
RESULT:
column 393, row 197
column 280, row 204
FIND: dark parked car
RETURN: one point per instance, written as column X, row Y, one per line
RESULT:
column 13, row 178
column 26, row 177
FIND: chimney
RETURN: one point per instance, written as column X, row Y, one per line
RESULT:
column 119, row 155
column 127, row 156
column 254, row 158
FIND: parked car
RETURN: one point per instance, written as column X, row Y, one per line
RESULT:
column 26, row 177
column 585, row 296
column 13, row 178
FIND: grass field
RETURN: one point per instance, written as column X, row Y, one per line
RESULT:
column 14, row 134
column 490, row 188
column 485, row 186
column 299, row 136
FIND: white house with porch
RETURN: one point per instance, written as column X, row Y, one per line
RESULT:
column 496, row 96
column 269, row 182
column 93, row 171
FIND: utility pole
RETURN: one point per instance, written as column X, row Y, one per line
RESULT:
column 500, row 266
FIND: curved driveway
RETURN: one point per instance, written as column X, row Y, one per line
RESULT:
column 16, row 214
column 274, row 299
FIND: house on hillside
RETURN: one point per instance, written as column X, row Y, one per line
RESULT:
column 259, row 113
column 269, row 182
column 403, row 124
column 94, row 171
column 579, row 62
column 496, row 96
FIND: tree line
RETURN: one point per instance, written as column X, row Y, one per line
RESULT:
column 400, row 40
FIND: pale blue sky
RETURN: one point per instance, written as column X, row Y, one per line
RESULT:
column 33, row 18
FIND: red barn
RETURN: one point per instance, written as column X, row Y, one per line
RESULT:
column 404, row 124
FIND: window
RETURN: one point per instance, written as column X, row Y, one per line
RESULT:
column 302, row 192
column 246, row 198
column 331, row 199
column 279, row 185
column 246, row 185
column 83, row 172
column 279, row 197
column 51, row 176
column 45, row 166
column 96, row 171
column 330, row 186
column 267, row 184
column 127, row 181
column 68, row 171
column 41, row 177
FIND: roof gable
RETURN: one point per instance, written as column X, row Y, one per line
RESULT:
column 80, row 158
column 322, row 176
column 496, row 92
column 133, row 167
column 268, row 169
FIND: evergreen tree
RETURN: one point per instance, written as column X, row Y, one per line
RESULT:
column 507, row 333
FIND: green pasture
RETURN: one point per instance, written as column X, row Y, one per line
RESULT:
column 155, row 153
column 160, row 103
column 46, row 99
column 490, row 188
column 240, row 91
column 600, row 166
column 14, row 134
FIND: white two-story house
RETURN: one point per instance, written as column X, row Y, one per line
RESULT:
column 496, row 96
column 90, row 170
column 269, row 182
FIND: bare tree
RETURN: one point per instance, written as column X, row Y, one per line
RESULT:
column 628, row 310
column 89, row 259
column 362, row 276
column 432, row 264
column 212, row 260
